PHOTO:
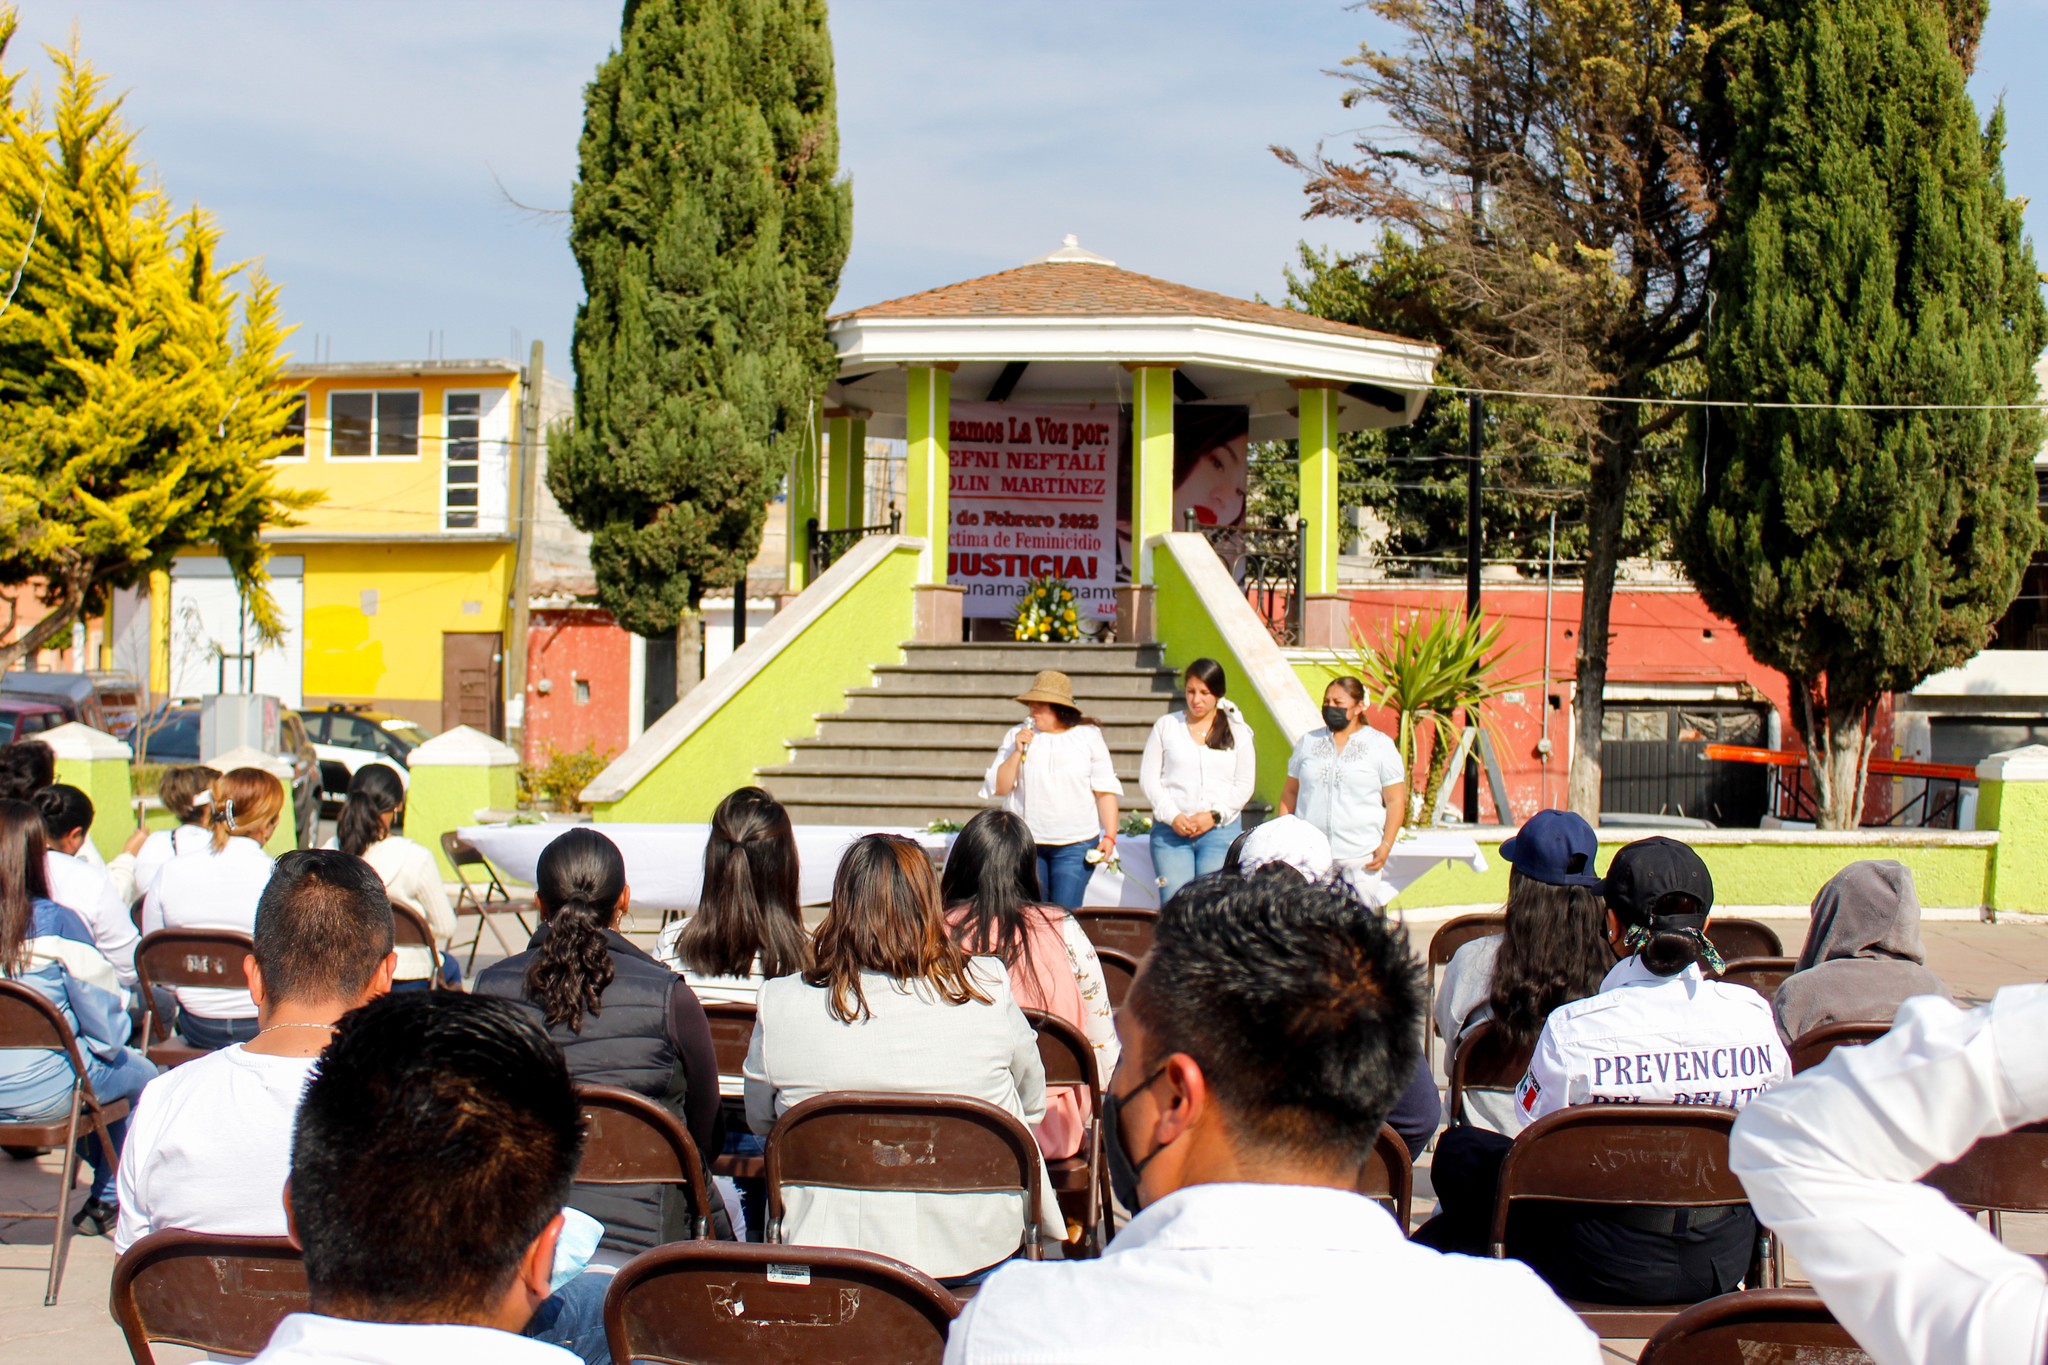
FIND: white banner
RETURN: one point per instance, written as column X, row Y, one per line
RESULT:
column 1033, row 493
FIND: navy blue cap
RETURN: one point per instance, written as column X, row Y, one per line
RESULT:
column 1556, row 847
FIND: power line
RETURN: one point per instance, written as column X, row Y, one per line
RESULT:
column 1741, row 402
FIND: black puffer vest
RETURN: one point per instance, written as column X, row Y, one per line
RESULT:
column 624, row 1043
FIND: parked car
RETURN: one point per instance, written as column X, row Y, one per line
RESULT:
column 347, row 737
column 21, row 719
column 76, row 694
column 171, row 735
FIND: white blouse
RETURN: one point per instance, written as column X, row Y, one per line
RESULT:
column 1181, row 777
column 209, row 890
column 1340, row 790
column 411, row 875
column 1057, row 783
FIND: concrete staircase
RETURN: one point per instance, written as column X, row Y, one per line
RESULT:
column 913, row 747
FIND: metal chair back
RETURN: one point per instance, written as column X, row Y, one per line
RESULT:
column 1761, row 974
column 220, row 1295
column 170, row 959
column 1811, row 1048
column 1118, row 971
column 629, row 1139
column 1388, row 1176
column 1733, row 938
column 1753, row 1326
column 1484, row 1059
column 1126, row 928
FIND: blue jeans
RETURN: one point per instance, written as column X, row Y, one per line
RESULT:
column 573, row 1318
column 1063, row 872
column 1177, row 861
column 213, row 1034
column 120, row 1079
column 451, row 977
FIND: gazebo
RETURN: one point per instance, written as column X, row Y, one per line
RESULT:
column 1074, row 328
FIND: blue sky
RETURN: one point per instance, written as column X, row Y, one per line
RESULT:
column 358, row 147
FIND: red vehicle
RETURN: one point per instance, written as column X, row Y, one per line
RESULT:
column 21, row 719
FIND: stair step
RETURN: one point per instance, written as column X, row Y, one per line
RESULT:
column 949, row 707
column 1032, row 657
column 986, row 733
column 902, row 678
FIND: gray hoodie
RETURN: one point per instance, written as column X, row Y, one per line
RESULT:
column 1863, row 956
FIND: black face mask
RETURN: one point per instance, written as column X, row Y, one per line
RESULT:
column 1336, row 717
column 1123, row 1172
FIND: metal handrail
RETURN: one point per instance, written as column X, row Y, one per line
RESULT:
column 827, row 545
column 1271, row 564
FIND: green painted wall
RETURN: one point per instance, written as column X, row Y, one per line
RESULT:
column 442, row 797
column 1187, row 633
column 2019, row 812
column 810, row 675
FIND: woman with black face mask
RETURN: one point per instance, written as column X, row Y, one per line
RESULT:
column 1347, row 780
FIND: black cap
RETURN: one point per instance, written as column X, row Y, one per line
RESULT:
column 1643, row 873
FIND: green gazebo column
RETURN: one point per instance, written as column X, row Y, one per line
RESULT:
column 1151, row 492
column 1326, row 613
column 928, row 481
column 801, row 507
column 846, row 437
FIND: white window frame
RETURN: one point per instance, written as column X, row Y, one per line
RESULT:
column 447, row 445
column 305, row 402
column 375, row 395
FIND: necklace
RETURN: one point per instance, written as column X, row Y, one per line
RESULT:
column 274, row 1027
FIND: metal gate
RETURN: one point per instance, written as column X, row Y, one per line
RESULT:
column 1653, row 761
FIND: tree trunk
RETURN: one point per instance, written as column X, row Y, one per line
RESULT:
column 1612, row 458
column 58, row 619
column 1838, row 740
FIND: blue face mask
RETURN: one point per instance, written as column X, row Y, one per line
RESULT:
column 1123, row 1172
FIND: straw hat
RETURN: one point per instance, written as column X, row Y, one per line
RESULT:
column 1051, row 686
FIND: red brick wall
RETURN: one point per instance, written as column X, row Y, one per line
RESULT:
column 565, row 648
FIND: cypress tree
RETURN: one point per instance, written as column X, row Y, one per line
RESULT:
column 710, row 223
column 1867, row 253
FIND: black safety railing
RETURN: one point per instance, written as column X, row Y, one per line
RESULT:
column 1271, row 564
column 827, row 546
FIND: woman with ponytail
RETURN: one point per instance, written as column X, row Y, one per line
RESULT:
column 365, row 829
column 620, row 1018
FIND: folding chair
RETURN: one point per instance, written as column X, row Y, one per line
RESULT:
column 173, row 958
column 1733, row 938
column 1638, row 1155
column 1388, row 1176
column 220, row 1295
column 1126, row 928
column 29, row 1021
column 495, row 900
column 1118, row 971
column 1751, row 1326
column 1483, row 1059
column 1069, row 1059
column 631, row 1140
column 736, row 1303
column 2004, row 1174
column 1761, row 974
column 732, row 1033
column 1452, row 935
column 884, row 1141
column 1811, row 1048
column 409, row 930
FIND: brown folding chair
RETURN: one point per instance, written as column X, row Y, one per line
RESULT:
column 884, row 1141
column 732, row 1033
column 1639, row 1155
column 172, row 958
column 1069, row 1059
column 1761, row 974
column 1452, row 935
column 2004, row 1174
column 493, row 899
column 220, row 1295
column 1118, row 971
column 631, row 1140
column 1812, row 1047
column 29, row 1021
column 1754, row 1325
column 1388, row 1176
column 1483, row 1059
column 1733, row 938
column 1126, row 928
column 409, row 930
column 736, row 1303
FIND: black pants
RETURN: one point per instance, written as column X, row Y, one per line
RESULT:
column 1584, row 1251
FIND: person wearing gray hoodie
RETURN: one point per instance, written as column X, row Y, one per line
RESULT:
column 1863, row 956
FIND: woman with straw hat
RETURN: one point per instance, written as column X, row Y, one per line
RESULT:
column 1054, row 770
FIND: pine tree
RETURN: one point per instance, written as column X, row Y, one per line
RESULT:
column 710, row 223
column 1867, row 254
column 140, row 394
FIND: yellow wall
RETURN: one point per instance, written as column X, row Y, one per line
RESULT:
column 421, row 590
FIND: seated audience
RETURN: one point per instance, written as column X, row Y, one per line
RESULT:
column 220, row 888
column 1290, row 842
column 1832, row 1160
column 78, row 880
column 1264, row 1041
column 994, row 909
column 1863, row 956
column 1551, row 950
column 211, row 1141
column 375, row 807
column 749, row 922
column 184, row 790
column 619, row 1017
column 1633, row 1043
column 893, row 1003
column 430, row 1161
column 45, row 947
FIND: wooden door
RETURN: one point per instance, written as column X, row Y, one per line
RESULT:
column 472, row 690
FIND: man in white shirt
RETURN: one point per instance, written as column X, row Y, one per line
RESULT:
column 210, row 1144
column 433, row 1154
column 1832, row 1161
column 1266, row 1037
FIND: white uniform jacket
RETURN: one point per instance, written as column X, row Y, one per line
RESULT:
column 1649, row 1039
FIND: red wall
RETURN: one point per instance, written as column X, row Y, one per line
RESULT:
column 563, row 648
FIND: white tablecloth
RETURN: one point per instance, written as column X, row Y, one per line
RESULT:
column 665, row 863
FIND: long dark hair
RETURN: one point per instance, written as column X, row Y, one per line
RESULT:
column 1210, row 674
column 373, row 793
column 1553, row 951
column 886, row 917
column 992, row 872
column 578, row 884
column 22, row 881
column 751, row 902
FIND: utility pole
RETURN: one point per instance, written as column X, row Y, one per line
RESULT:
column 522, row 564
column 1475, row 449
